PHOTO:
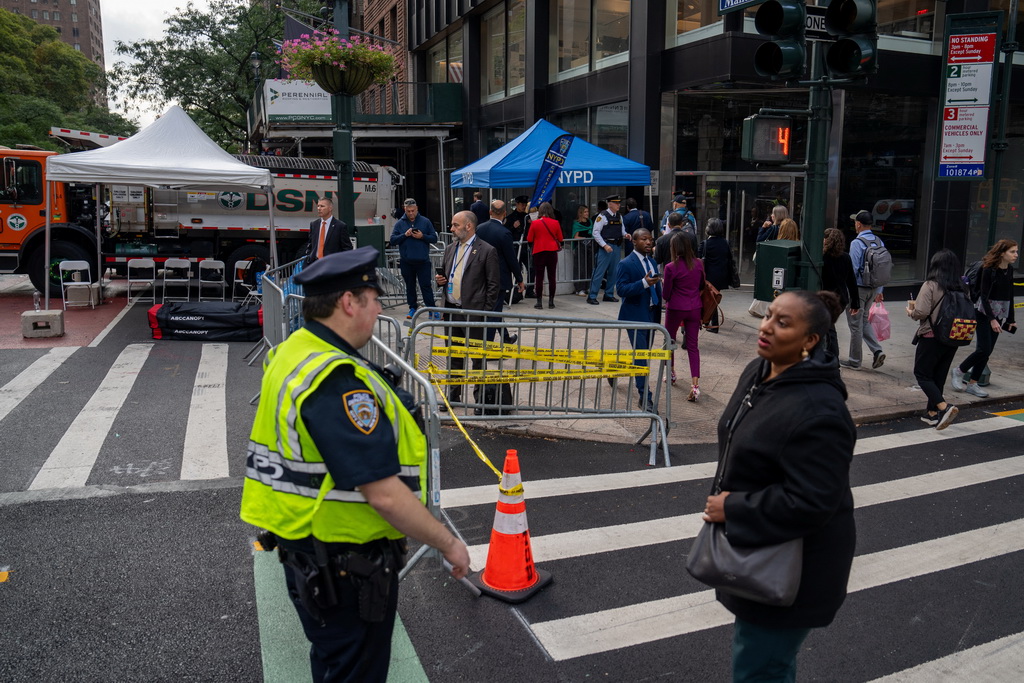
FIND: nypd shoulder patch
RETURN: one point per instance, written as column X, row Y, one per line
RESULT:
column 361, row 408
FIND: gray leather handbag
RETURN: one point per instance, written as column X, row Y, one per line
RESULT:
column 767, row 574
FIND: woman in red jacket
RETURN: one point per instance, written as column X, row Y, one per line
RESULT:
column 546, row 238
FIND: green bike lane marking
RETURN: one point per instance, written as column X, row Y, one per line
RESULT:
column 284, row 647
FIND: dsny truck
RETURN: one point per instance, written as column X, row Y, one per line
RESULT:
column 227, row 225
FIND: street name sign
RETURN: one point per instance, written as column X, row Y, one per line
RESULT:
column 971, row 50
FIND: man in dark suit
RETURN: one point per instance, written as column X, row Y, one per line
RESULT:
column 479, row 208
column 498, row 236
column 471, row 281
column 327, row 235
column 639, row 284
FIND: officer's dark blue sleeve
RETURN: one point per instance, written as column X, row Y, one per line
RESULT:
column 508, row 255
column 351, row 430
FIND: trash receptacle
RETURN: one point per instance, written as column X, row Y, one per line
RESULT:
column 372, row 235
column 775, row 268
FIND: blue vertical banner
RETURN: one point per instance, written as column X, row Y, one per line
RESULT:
column 547, row 179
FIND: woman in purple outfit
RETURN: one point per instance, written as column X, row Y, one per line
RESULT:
column 684, row 278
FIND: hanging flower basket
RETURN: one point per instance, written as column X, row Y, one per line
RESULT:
column 351, row 81
column 341, row 66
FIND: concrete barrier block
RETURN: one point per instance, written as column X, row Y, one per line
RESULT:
column 39, row 324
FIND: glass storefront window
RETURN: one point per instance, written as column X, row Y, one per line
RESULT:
column 692, row 14
column 492, row 48
column 437, row 64
column 908, row 18
column 572, row 33
column 516, row 46
column 611, row 31
column 455, row 57
column 611, row 127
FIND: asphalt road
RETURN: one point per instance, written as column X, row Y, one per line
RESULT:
column 142, row 570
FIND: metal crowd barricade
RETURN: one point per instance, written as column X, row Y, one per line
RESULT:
column 575, row 262
column 558, row 369
column 391, row 279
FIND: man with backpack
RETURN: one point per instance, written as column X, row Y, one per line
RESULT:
column 872, row 266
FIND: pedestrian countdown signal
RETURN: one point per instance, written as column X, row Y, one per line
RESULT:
column 766, row 139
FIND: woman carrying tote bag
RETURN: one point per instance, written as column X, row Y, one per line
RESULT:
column 786, row 441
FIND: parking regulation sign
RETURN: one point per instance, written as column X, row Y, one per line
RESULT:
column 968, row 78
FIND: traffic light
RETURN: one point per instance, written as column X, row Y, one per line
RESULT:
column 784, row 21
column 766, row 139
column 855, row 52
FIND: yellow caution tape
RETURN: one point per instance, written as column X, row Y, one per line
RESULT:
column 4, row 576
column 515, row 490
column 497, row 350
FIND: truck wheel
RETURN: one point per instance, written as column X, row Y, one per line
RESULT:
column 59, row 251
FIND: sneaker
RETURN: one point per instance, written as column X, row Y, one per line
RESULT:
column 957, row 378
column 583, row 292
column 930, row 420
column 593, row 302
column 947, row 416
column 849, row 364
column 435, row 315
column 412, row 312
column 879, row 360
column 974, row 390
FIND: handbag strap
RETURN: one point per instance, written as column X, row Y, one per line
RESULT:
column 741, row 410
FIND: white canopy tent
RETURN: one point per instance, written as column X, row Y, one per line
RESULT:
column 172, row 152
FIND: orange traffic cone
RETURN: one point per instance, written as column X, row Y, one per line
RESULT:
column 510, row 574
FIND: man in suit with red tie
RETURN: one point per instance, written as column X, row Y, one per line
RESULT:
column 472, row 281
column 327, row 235
column 639, row 284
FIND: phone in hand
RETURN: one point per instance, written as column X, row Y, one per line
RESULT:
column 440, row 271
column 1006, row 327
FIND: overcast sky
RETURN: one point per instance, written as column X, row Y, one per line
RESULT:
column 128, row 20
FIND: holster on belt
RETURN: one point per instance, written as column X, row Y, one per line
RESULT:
column 318, row 577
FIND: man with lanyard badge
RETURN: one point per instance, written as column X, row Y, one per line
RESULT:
column 609, row 235
column 336, row 472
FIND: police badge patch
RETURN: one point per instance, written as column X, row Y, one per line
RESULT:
column 362, row 410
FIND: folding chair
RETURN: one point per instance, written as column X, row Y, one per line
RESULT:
column 240, row 290
column 142, row 271
column 178, row 272
column 211, row 274
column 71, row 280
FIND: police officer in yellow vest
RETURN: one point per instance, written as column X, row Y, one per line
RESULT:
column 336, row 472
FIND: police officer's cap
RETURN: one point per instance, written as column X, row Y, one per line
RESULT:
column 679, row 199
column 522, row 199
column 613, row 198
column 340, row 272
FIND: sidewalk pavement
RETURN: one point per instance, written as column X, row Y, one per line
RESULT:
column 874, row 395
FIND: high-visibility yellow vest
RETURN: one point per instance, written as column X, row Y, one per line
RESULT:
column 288, row 489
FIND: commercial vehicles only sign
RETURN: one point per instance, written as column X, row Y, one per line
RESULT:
column 972, row 46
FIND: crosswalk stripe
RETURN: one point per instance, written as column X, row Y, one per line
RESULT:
column 646, row 622
column 15, row 391
column 917, row 437
column 996, row 662
column 582, row 542
column 74, row 456
column 205, row 454
column 597, row 483
column 594, row 483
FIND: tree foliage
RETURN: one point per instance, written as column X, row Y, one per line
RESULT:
column 202, row 62
column 45, row 82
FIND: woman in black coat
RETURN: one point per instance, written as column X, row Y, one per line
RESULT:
column 718, row 262
column 837, row 276
column 790, row 440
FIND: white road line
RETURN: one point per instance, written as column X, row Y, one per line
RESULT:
column 18, row 389
column 646, row 622
column 113, row 323
column 917, row 437
column 597, row 483
column 74, row 456
column 594, row 483
column 582, row 542
column 205, row 454
column 996, row 662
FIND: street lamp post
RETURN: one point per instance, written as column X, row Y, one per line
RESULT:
column 341, row 110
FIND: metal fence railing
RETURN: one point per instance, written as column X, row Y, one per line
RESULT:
column 556, row 369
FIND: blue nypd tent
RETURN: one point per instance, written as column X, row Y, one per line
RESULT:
column 517, row 163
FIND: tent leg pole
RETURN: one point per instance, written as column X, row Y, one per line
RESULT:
column 99, row 238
